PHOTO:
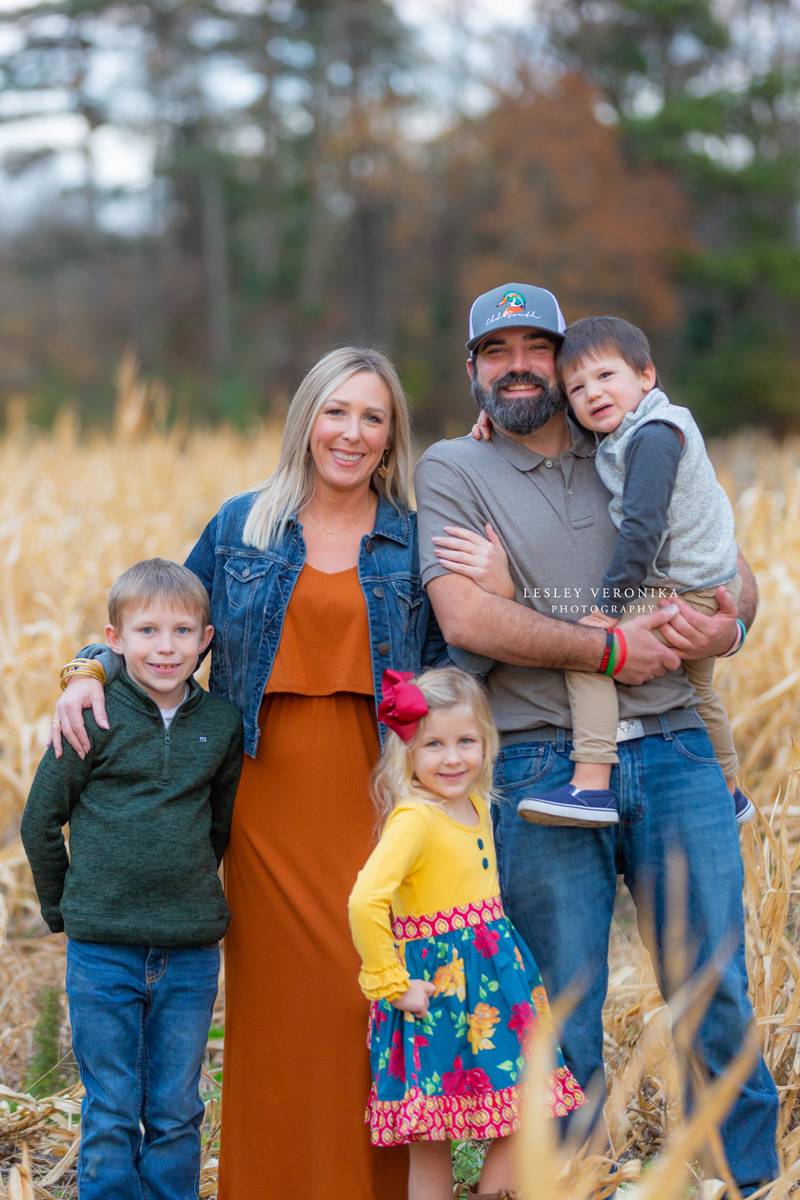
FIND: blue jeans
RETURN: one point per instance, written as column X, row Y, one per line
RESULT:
column 140, row 1017
column 559, row 884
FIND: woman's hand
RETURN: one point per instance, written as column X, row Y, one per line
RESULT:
column 416, row 998
column 80, row 693
column 483, row 560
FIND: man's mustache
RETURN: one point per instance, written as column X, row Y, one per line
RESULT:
column 527, row 377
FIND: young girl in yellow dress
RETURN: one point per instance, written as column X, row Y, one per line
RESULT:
column 455, row 990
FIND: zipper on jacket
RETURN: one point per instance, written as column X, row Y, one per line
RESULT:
column 167, row 749
column 168, row 736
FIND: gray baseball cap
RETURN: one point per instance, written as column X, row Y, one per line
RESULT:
column 512, row 305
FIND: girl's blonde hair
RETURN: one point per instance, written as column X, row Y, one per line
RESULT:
column 393, row 778
column 291, row 486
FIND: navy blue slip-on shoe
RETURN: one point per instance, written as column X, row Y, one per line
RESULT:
column 569, row 805
column 743, row 806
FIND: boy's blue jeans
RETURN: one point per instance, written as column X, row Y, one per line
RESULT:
column 677, row 848
column 140, row 1017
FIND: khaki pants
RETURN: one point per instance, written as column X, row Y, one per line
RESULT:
column 595, row 713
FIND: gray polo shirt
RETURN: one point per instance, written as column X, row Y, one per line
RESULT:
column 552, row 517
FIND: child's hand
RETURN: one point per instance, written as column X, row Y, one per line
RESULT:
column 482, row 429
column 599, row 620
column 416, row 998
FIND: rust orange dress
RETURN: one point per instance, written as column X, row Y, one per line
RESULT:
column 296, row 1071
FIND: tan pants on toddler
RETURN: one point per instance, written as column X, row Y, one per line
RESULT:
column 593, row 698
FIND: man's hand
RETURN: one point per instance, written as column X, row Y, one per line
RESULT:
column 701, row 635
column 647, row 657
column 81, row 693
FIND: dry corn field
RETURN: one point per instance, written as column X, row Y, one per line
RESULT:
column 75, row 511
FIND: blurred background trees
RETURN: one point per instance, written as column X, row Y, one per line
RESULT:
column 229, row 187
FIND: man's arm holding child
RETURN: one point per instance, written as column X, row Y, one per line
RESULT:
column 54, row 792
column 504, row 629
column 513, row 633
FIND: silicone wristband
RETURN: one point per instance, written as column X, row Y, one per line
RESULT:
column 741, row 634
column 601, row 670
column 622, row 647
column 612, row 658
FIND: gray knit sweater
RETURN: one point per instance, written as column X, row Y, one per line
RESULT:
column 698, row 545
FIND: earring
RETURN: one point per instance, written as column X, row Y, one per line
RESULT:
column 383, row 466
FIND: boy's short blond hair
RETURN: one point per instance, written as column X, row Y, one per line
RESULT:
column 157, row 579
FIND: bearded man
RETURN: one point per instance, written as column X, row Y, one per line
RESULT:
column 533, row 483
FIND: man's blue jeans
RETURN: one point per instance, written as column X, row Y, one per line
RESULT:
column 677, row 848
column 140, row 1017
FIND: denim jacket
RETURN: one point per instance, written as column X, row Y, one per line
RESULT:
column 250, row 591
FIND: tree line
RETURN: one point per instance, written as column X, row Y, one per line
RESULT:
column 320, row 172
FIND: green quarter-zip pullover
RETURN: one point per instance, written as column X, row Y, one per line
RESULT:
column 149, row 813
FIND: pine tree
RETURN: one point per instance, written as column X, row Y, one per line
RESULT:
column 709, row 94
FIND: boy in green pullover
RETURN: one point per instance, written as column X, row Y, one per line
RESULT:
column 149, row 810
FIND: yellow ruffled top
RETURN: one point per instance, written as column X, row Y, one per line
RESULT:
column 425, row 863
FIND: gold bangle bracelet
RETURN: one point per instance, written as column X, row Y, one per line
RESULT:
column 75, row 662
column 83, row 672
column 82, row 662
column 88, row 667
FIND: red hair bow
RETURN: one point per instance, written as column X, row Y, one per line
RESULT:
column 403, row 704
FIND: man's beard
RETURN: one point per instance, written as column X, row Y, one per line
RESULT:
column 524, row 414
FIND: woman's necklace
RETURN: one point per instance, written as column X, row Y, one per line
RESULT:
column 332, row 535
column 328, row 535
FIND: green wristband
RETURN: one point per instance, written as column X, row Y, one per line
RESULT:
column 612, row 660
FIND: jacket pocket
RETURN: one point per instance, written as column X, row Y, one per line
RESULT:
column 408, row 598
column 244, row 580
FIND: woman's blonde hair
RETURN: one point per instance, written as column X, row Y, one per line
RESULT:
column 393, row 778
column 291, row 486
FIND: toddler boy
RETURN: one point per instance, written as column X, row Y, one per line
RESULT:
column 138, row 895
column 676, row 531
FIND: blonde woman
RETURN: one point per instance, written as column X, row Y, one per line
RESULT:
column 315, row 589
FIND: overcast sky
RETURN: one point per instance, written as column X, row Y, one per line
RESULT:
column 124, row 162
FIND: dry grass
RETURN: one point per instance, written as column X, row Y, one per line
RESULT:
column 74, row 512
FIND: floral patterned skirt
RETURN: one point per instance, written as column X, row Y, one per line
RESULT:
column 457, row 1072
